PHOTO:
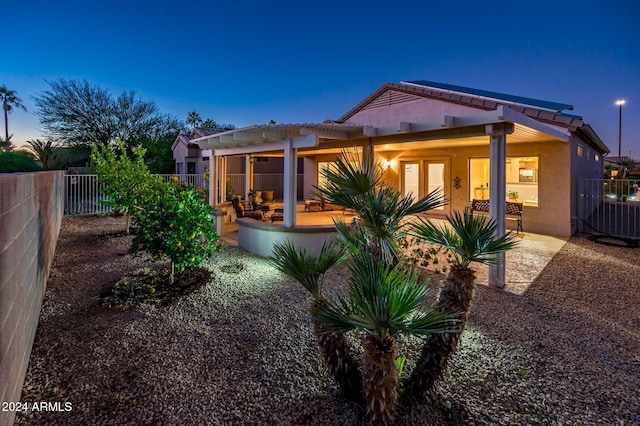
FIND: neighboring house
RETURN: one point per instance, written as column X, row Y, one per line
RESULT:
column 189, row 158
column 612, row 166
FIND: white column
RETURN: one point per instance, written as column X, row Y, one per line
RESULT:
column 248, row 177
column 213, row 180
column 290, row 185
column 223, row 178
column 497, row 188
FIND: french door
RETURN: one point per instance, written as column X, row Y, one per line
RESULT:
column 421, row 177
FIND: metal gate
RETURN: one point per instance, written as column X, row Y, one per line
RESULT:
column 610, row 206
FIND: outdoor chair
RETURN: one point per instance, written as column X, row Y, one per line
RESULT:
column 241, row 212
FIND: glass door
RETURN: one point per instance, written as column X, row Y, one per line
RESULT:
column 421, row 177
column 435, row 179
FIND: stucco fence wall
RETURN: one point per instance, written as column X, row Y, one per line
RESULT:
column 31, row 209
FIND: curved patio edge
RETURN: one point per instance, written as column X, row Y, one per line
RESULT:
column 259, row 237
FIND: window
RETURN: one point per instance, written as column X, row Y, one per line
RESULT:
column 205, row 158
column 322, row 166
column 580, row 151
column 521, row 176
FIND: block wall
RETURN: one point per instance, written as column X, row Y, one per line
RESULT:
column 31, row 209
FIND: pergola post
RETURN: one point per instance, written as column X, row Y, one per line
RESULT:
column 248, row 177
column 290, row 185
column 497, row 192
column 214, row 180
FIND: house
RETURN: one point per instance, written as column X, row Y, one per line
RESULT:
column 473, row 144
column 189, row 158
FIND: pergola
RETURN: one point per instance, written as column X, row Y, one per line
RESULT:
column 291, row 140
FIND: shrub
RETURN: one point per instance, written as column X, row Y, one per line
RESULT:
column 175, row 223
column 11, row 162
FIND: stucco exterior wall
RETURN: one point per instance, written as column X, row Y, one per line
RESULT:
column 589, row 166
column 31, row 209
column 549, row 217
column 419, row 110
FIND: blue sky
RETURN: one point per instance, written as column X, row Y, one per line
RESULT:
column 246, row 62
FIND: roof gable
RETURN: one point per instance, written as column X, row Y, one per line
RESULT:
column 394, row 93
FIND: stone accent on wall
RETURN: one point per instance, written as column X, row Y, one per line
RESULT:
column 31, row 209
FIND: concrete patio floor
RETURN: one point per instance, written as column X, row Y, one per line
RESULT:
column 524, row 263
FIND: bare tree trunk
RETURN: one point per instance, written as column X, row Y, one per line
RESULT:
column 456, row 295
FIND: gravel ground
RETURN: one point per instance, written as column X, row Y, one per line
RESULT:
column 240, row 351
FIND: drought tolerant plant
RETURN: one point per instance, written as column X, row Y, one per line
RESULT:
column 46, row 153
column 470, row 239
column 309, row 271
column 127, row 181
column 175, row 222
column 384, row 296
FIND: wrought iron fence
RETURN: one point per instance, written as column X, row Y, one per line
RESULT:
column 610, row 206
column 84, row 195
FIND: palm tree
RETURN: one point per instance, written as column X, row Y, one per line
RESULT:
column 383, row 301
column 193, row 119
column 384, row 297
column 470, row 239
column 209, row 124
column 309, row 271
column 9, row 102
column 46, row 153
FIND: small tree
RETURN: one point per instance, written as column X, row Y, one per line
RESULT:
column 127, row 182
column 176, row 223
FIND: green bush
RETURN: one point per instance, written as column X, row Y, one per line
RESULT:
column 12, row 161
column 175, row 223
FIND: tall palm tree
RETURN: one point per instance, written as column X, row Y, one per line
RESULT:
column 46, row 153
column 9, row 102
column 193, row 119
column 470, row 239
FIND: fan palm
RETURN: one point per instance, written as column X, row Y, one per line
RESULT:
column 309, row 271
column 383, row 301
column 470, row 239
column 9, row 102
column 193, row 119
column 383, row 296
column 356, row 184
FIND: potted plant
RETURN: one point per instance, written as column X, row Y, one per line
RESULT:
column 513, row 196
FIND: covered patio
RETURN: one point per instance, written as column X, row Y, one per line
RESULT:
column 522, row 264
column 448, row 137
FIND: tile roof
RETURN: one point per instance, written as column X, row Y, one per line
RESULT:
column 521, row 100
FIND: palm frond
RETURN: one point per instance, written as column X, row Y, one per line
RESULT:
column 305, row 268
column 382, row 301
column 470, row 238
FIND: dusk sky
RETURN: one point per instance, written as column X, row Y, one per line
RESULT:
column 246, row 62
